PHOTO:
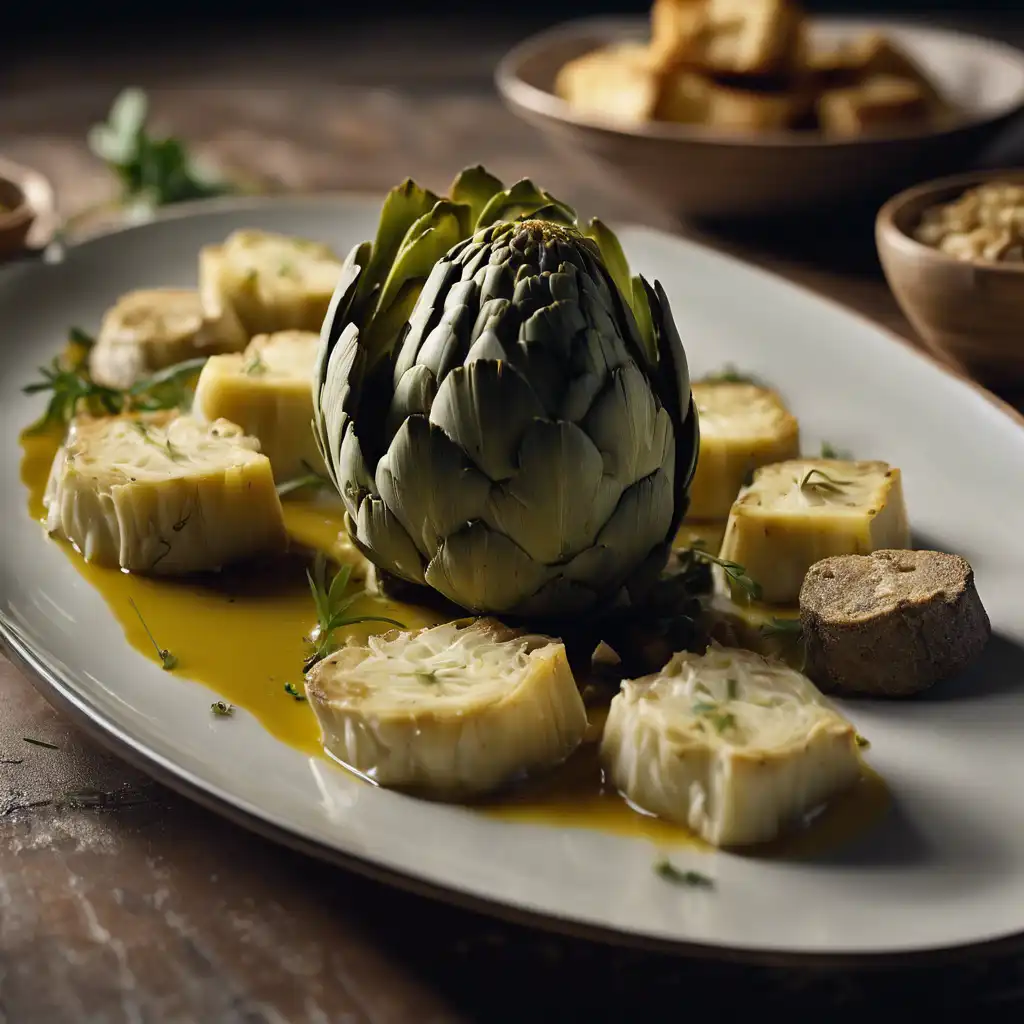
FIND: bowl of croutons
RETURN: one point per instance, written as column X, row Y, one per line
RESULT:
column 750, row 108
column 953, row 254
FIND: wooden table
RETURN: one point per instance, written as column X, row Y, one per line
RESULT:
column 146, row 907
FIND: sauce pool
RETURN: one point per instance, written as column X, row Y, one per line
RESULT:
column 241, row 634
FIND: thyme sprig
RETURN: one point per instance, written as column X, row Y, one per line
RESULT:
column 332, row 605
column 72, row 388
column 694, row 879
column 311, row 478
column 829, row 451
column 733, row 570
column 816, row 479
column 167, row 660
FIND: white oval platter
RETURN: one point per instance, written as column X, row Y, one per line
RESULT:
column 941, row 872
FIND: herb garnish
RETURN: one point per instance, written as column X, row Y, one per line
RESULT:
column 71, row 386
column 292, row 690
column 167, row 660
column 729, row 374
column 829, row 451
column 824, row 483
column 779, row 627
column 667, row 870
column 153, row 171
column 40, row 743
column 734, row 571
column 222, row 708
column 254, row 366
column 862, row 741
column 309, row 479
column 331, row 606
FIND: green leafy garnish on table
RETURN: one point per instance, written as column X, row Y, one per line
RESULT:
column 332, row 605
column 694, row 879
column 153, row 171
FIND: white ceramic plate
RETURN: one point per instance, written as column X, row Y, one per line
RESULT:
column 943, row 870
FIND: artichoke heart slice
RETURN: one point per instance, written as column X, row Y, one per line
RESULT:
column 267, row 391
column 742, row 427
column 273, row 282
column 163, row 493
column 733, row 745
column 150, row 329
column 454, row 710
column 795, row 513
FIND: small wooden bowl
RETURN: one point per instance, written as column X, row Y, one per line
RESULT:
column 28, row 213
column 971, row 314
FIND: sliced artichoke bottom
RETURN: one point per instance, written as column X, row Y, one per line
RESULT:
column 730, row 744
column 451, row 711
column 163, row 494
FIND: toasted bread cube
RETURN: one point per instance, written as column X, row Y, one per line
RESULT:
column 615, row 83
column 742, row 427
column 744, row 110
column 878, row 104
column 750, row 37
column 795, row 513
column 267, row 391
column 677, row 32
column 683, row 98
column 153, row 328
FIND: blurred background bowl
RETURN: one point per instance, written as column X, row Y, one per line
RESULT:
column 969, row 313
column 28, row 215
column 701, row 172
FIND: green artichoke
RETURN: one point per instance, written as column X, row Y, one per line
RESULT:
column 504, row 410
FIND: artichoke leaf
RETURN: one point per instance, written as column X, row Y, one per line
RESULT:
column 555, row 326
column 523, row 200
column 589, row 371
column 554, row 507
column 404, row 206
column 628, row 427
column 560, row 598
column 338, row 399
column 448, row 343
column 356, row 480
column 426, row 241
column 425, row 316
column 383, row 539
column 480, row 569
column 429, row 484
column 474, row 188
column 338, row 313
column 485, row 408
column 413, row 396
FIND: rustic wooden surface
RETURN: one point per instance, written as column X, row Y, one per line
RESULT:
column 146, row 908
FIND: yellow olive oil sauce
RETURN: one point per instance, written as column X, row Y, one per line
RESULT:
column 241, row 634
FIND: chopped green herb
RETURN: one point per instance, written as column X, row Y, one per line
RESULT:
column 729, row 374
column 309, row 479
column 293, row 691
column 40, row 743
column 732, row 688
column 824, row 482
column 79, row 337
column 222, row 708
column 734, row 571
column 828, row 451
column 167, row 660
column 722, row 720
column 862, row 741
column 703, row 708
column 254, row 366
column 781, row 626
column 332, row 605
column 667, row 870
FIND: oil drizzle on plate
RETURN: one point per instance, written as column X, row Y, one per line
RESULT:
column 241, row 634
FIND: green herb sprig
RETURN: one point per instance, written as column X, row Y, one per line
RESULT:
column 734, row 571
column 293, row 691
column 818, row 480
column 222, row 709
column 153, row 171
column 332, row 605
column 730, row 374
column 167, row 660
column 311, row 478
column 829, row 451
column 72, row 389
column 694, row 879
column 781, row 627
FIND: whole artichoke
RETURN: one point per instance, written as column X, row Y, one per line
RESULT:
column 505, row 412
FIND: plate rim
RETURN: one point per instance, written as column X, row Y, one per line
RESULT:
column 101, row 727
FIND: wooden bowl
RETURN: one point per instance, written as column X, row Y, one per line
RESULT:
column 703, row 172
column 28, row 214
column 969, row 313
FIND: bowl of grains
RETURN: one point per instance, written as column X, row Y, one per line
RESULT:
column 953, row 254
